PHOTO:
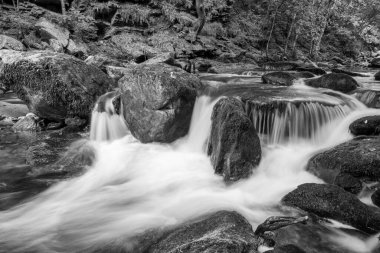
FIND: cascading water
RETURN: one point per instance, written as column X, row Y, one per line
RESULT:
column 106, row 124
column 134, row 187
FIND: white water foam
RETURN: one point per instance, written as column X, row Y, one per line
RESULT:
column 133, row 187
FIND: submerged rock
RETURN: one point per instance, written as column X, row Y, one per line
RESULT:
column 359, row 158
column 234, row 145
column 350, row 73
column 371, row 98
column 158, row 101
column 366, row 126
column 284, row 78
column 330, row 201
column 54, row 86
column 223, row 231
column 335, row 81
column 314, row 70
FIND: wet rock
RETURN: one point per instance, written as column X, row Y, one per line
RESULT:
column 330, row 201
column 223, row 231
column 11, row 106
column 311, row 237
column 371, row 98
column 284, row 78
column 375, row 197
column 375, row 63
column 158, row 101
column 160, row 58
column 75, row 124
column 377, row 76
column 7, row 42
column 28, row 123
column 359, row 158
column 285, row 65
column 335, row 81
column 314, row 70
column 57, row 36
column 234, row 145
column 54, row 86
column 366, row 126
column 350, row 73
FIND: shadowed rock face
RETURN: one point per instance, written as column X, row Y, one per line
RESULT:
column 375, row 63
column 348, row 164
column 234, row 145
column 366, row 126
column 377, row 76
column 335, row 81
column 54, row 86
column 158, row 101
column 330, row 201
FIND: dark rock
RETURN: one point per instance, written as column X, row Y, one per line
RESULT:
column 371, row 98
column 350, row 73
column 234, row 145
column 312, row 237
column 285, row 65
column 339, row 82
column 314, row 70
column 158, row 101
column 376, row 198
column 375, row 63
column 27, row 123
column 359, row 158
column 7, row 42
column 366, row 126
column 284, row 78
column 54, row 86
column 330, row 201
column 377, row 76
column 220, row 232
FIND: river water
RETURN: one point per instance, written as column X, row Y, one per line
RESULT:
column 134, row 187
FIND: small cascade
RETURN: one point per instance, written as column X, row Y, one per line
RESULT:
column 106, row 123
column 292, row 120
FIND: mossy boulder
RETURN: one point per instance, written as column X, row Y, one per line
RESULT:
column 54, row 86
column 334, row 81
column 366, row 126
column 234, row 145
column 158, row 101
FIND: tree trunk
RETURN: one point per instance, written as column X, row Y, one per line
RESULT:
column 199, row 5
column 63, row 2
column 272, row 28
column 289, row 33
column 295, row 40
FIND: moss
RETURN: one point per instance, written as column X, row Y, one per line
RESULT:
column 27, row 78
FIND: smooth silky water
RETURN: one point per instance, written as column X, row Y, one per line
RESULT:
column 134, row 187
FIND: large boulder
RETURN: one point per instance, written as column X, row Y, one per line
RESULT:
column 158, row 101
column 349, row 164
column 54, row 86
column 330, row 201
column 366, row 126
column 234, row 145
column 284, row 78
column 335, row 81
column 223, row 231
column 7, row 42
column 375, row 63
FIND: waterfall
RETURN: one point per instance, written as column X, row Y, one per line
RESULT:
column 106, row 123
